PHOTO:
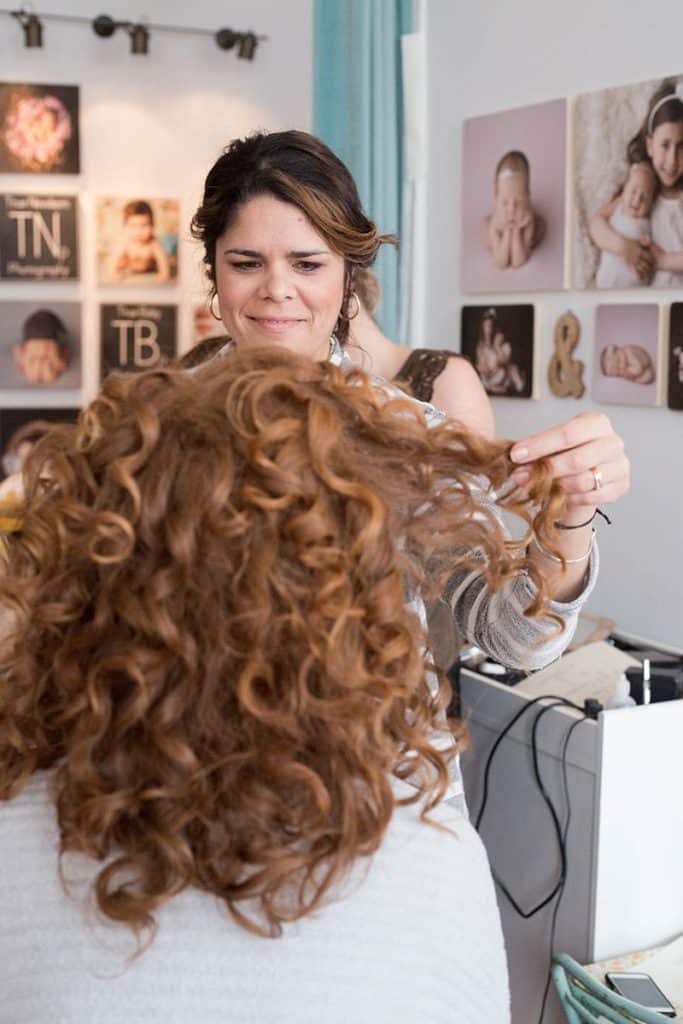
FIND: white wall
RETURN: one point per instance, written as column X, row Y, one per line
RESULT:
column 491, row 56
column 153, row 125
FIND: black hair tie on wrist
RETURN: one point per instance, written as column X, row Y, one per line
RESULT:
column 579, row 526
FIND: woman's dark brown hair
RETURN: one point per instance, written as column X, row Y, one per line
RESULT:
column 211, row 643
column 669, row 110
column 296, row 168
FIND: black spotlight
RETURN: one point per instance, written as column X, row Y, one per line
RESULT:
column 139, row 39
column 226, row 38
column 247, row 46
column 32, row 26
column 104, row 26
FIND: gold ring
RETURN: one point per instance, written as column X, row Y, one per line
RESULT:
column 597, row 479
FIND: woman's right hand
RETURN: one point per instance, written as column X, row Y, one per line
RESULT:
column 639, row 257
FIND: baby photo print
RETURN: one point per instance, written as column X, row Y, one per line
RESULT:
column 625, row 355
column 513, row 199
column 137, row 240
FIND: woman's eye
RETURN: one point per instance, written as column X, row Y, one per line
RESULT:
column 308, row 265
column 245, row 264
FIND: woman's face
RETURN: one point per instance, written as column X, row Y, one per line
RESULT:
column 665, row 149
column 487, row 328
column 278, row 281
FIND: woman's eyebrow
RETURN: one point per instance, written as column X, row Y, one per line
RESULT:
column 296, row 254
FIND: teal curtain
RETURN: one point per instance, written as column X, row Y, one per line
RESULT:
column 358, row 112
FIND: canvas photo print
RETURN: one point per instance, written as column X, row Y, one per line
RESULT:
column 38, row 237
column 137, row 240
column 627, row 217
column 675, row 351
column 625, row 354
column 499, row 342
column 40, row 345
column 513, row 199
column 135, row 337
column 39, row 129
column 20, row 430
column 205, row 325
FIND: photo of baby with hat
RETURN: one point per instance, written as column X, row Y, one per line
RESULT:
column 40, row 347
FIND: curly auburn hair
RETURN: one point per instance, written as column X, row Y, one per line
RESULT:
column 211, row 642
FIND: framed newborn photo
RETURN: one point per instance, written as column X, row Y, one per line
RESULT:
column 20, row 429
column 627, row 204
column 136, row 336
column 137, row 240
column 499, row 342
column 675, row 353
column 513, row 200
column 205, row 325
column 626, row 353
column 40, row 345
column 39, row 129
column 38, row 237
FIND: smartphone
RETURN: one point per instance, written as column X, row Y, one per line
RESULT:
column 641, row 989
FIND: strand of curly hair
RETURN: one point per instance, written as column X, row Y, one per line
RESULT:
column 210, row 641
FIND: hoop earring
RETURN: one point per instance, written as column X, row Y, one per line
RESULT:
column 214, row 315
column 352, row 316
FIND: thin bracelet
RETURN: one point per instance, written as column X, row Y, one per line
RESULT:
column 597, row 512
column 566, row 561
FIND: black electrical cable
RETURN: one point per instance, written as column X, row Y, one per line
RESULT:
column 562, row 701
column 565, row 833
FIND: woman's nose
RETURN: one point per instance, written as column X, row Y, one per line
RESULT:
column 277, row 284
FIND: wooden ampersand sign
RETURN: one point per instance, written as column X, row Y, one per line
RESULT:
column 565, row 375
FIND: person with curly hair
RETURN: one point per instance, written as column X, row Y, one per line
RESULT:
column 223, row 748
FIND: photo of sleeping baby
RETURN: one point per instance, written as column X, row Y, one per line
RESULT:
column 513, row 200
column 626, row 353
column 675, row 383
column 628, row 202
column 40, row 346
column 499, row 342
column 137, row 241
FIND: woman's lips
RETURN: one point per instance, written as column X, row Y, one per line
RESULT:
column 274, row 325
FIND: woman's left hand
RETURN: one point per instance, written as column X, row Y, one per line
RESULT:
column 586, row 456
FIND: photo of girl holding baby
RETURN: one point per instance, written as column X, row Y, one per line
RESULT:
column 629, row 187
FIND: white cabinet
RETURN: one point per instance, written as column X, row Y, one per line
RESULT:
column 624, row 888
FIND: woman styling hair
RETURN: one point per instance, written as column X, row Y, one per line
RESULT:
column 284, row 234
column 217, row 722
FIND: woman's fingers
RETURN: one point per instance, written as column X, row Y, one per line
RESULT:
column 584, row 456
column 614, row 479
column 585, row 427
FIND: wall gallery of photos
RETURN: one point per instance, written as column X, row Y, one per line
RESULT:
column 136, row 244
column 604, row 213
column 624, row 220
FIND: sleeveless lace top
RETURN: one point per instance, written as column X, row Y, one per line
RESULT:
column 421, row 369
